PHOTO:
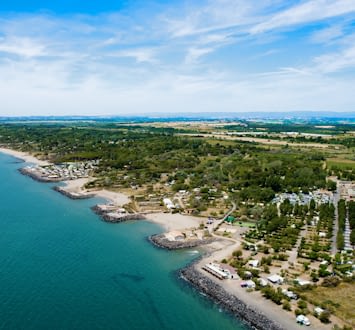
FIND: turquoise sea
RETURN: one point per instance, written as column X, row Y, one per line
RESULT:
column 61, row 267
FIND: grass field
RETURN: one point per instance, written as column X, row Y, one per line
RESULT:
column 342, row 298
column 341, row 163
column 244, row 224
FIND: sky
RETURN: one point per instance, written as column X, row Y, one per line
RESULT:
column 107, row 57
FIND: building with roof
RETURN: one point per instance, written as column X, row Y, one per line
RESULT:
column 275, row 279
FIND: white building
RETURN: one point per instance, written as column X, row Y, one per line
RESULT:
column 168, row 203
column 302, row 282
column 275, row 279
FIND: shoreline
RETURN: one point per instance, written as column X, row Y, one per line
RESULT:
column 239, row 309
column 250, row 307
column 75, row 189
column 26, row 157
column 243, row 305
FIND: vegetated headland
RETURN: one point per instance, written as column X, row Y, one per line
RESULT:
column 270, row 200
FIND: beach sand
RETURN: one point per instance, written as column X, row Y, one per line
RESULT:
column 174, row 221
column 114, row 197
column 77, row 186
column 24, row 156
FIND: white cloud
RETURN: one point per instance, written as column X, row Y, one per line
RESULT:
column 172, row 92
column 216, row 16
column 334, row 62
column 140, row 55
column 22, row 47
column 78, row 64
column 309, row 11
column 193, row 54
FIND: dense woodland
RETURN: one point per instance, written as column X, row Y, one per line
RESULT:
column 140, row 155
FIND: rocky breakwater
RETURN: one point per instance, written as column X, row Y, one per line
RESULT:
column 227, row 301
column 112, row 213
column 37, row 175
column 178, row 242
column 72, row 194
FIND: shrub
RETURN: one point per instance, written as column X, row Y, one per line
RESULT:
column 302, row 304
column 331, row 282
column 314, row 276
column 237, row 253
column 298, row 311
column 324, row 317
column 286, row 305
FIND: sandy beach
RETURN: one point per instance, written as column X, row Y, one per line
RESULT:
column 174, row 221
column 114, row 197
column 77, row 186
column 24, row 156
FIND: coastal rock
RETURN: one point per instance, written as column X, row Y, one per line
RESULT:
column 112, row 217
column 37, row 176
column 227, row 301
column 162, row 242
column 73, row 195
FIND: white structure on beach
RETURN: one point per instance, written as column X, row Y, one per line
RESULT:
column 222, row 271
column 168, row 203
column 215, row 270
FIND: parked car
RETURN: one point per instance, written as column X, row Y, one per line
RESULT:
column 301, row 319
column 289, row 294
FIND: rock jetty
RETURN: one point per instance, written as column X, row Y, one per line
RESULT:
column 29, row 171
column 161, row 241
column 109, row 215
column 227, row 301
column 71, row 194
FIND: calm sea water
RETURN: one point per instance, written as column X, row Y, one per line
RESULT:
column 63, row 268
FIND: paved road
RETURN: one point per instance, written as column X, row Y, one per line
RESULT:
column 336, row 198
column 216, row 223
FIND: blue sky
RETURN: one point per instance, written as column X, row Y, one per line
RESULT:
column 71, row 57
